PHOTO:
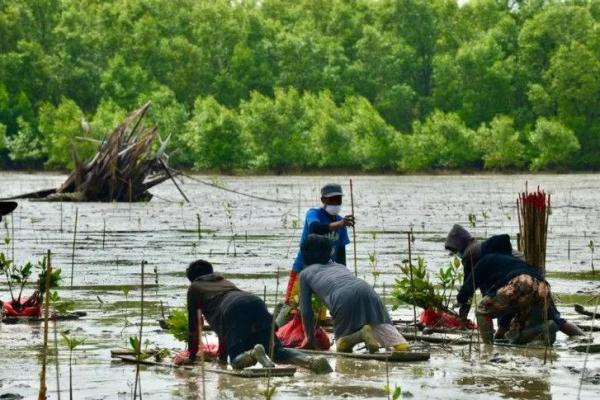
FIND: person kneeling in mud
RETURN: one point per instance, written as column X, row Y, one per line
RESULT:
column 509, row 286
column 240, row 320
column 470, row 251
column 358, row 313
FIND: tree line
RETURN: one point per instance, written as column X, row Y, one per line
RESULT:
column 280, row 85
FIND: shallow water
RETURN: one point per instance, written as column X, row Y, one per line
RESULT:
column 112, row 239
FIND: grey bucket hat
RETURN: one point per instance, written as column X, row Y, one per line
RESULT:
column 331, row 189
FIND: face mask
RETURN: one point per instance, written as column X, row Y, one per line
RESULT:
column 333, row 210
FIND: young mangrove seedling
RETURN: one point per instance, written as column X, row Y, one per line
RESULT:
column 472, row 220
column 71, row 343
column 125, row 290
column 268, row 393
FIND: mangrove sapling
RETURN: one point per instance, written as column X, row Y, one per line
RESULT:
column 397, row 391
column 485, row 216
column 591, row 246
column 422, row 292
column 472, row 220
column 72, row 343
column 5, row 267
column 126, row 290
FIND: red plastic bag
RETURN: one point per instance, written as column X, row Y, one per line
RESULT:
column 432, row 318
column 292, row 334
column 26, row 310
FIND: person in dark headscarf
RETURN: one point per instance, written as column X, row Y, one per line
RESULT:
column 460, row 242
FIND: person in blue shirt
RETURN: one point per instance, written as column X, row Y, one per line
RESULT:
column 325, row 221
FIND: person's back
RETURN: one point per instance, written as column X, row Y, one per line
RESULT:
column 329, row 281
column 493, row 271
column 357, row 311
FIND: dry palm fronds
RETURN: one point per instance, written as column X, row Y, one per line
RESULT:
column 123, row 168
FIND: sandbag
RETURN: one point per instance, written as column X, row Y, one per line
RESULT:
column 211, row 350
column 27, row 308
column 432, row 318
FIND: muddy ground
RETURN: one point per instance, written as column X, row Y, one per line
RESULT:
column 249, row 240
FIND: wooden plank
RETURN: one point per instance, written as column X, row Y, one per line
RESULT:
column 59, row 317
column 437, row 339
column 593, row 348
column 245, row 373
column 396, row 356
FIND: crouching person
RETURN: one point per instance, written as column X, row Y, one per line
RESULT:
column 358, row 313
column 240, row 320
column 509, row 286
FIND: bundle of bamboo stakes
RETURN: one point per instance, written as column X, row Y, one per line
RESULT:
column 533, row 211
column 123, row 168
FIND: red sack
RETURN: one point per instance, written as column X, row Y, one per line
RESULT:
column 432, row 318
column 292, row 334
column 211, row 350
column 29, row 310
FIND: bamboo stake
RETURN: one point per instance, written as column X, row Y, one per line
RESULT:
column 43, row 388
column 200, row 227
column 412, row 283
column 56, row 360
column 138, row 383
column 353, row 229
column 272, row 338
column 201, row 346
column 73, row 247
column 587, row 352
column 12, row 242
column 103, row 232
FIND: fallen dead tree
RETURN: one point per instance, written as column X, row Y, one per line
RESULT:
column 124, row 167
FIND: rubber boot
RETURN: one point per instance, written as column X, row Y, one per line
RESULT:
column 401, row 347
column 571, row 329
column 369, row 339
column 244, row 360
column 486, row 328
column 262, row 357
column 346, row 343
column 318, row 365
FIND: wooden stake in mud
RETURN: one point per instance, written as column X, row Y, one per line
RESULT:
column 353, row 229
column 138, row 384
column 73, row 248
column 43, row 388
column 412, row 282
column 199, row 226
column 272, row 338
column 103, row 232
column 201, row 346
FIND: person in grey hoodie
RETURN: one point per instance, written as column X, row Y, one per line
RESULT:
column 460, row 242
column 357, row 311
